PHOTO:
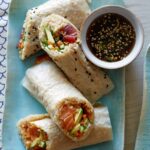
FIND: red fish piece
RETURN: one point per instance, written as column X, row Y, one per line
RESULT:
column 68, row 34
column 70, row 30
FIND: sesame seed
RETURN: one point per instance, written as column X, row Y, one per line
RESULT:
column 111, row 37
column 92, row 80
column 37, row 46
column 105, row 76
column 107, row 86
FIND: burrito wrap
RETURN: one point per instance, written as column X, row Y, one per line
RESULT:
column 89, row 79
column 29, row 42
column 49, row 85
column 102, row 130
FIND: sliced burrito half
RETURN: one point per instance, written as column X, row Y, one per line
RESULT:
column 75, row 10
column 40, row 132
column 64, row 103
column 60, row 39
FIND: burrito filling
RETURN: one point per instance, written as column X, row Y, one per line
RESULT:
column 34, row 137
column 22, row 39
column 60, row 39
column 75, row 120
column 42, row 58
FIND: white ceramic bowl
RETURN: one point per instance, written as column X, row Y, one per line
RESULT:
column 138, row 42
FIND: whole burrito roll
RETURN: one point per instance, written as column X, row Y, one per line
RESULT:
column 68, row 108
column 29, row 42
column 49, row 137
column 61, row 40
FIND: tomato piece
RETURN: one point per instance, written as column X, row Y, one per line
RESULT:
column 84, row 116
column 79, row 134
column 82, row 123
column 70, row 38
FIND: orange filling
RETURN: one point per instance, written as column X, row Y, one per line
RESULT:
column 20, row 44
column 67, row 117
column 42, row 58
column 35, row 138
column 74, row 119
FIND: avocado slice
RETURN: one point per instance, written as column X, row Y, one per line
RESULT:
column 44, row 42
column 38, row 142
column 75, row 129
column 62, row 46
column 42, row 144
column 86, row 121
column 78, row 116
column 49, row 36
column 82, row 129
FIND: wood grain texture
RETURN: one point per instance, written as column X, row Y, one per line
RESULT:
column 134, row 75
column 143, row 135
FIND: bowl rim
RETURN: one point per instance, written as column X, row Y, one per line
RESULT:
column 117, row 64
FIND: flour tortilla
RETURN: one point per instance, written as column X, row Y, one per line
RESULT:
column 50, row 87
column 102, row 130
column 75, row 10
column 89, row 79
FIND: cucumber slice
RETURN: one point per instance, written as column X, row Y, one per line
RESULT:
column 49, row 36
column 78, row 116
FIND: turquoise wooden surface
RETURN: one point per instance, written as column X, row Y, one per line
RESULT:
column 19, row 103
column 143, row 136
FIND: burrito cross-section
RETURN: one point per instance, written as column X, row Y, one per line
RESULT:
column 61, row 41
column 29, row 42
column 40, row 132
column 68, row 108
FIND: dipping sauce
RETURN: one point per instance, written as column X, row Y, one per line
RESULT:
column 111, row 37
